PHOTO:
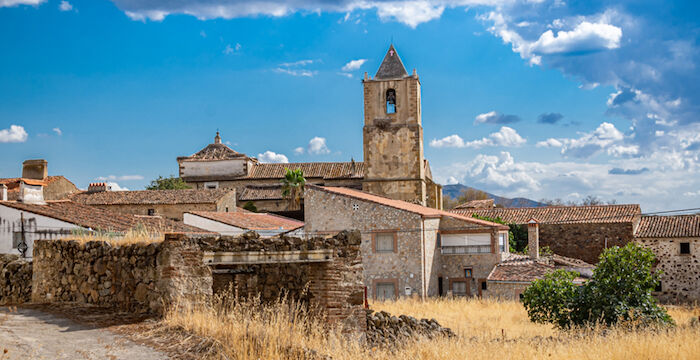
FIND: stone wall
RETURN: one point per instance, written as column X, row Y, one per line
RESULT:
column 386, row 329
column 504, row 291
column 584, row 241
column 137, row 278
column 334, row 287
column 15, row 280
column 680, row 278
column 169, row 211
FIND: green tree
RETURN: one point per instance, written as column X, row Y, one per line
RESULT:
column 250, row 206
column 167, row 183
column 619, row 291
column 293, row 185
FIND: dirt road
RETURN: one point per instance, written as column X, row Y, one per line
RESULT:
column 33, row 334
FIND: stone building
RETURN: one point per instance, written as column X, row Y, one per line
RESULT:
column 171, row 204
column 409, row 249
column 54, row 187
column 33, row 218
column 579, row 232
column 675, row 240
column 394, row 165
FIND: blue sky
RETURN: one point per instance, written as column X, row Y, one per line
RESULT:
column 542, row 99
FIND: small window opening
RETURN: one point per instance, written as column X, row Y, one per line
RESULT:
column 391, row 101
column 685, row 248
column 483, row 285
column 658, row 287
column 468, row 272
column 151, row 212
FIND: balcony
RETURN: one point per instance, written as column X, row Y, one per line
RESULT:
column 467, row 249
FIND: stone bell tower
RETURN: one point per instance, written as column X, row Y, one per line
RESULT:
column 393, row 134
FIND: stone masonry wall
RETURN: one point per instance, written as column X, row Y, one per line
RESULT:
column 334, row 287
column 680, row 278
column 15, row 280
column 584, row 241
column 504, row 291
column 137, row 278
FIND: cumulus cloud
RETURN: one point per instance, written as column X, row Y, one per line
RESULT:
column 58, row 131
column 506, row 136
column 116, row 187
column 15, row 134
column 317, row 146
column 494, row 117
column 11, row 3
column 353, row 65
column 272, row 157
column 606, row 137
column 65, row 6
column 299, row 151
column 549, row 118
column 119, row 178
column 584, row 37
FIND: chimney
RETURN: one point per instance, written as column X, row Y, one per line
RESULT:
column 98, row 187
column 31, row 192
column 4, row 192
column 35, row 169
column 533, row 239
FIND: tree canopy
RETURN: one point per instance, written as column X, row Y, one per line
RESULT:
column 167, row 183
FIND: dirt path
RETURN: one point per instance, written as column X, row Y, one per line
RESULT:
column 33, row 334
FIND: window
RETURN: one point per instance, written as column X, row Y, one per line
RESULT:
column 386, row 291
column 385, row 242
column 658, row 287
column 391, row 101
column 211, row 185
column 685, row 248
column 468, row 272
column 502, row 241
column 484, row 286
column 440, row 291
column 459, row 288
column 151, row 212
column 469, row 243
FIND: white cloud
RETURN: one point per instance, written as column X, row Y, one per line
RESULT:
column 549, row 143
column 494, row 117
column 299, row 151
column 296, row 68
column 65, row 6
column 317, row 146
column 231, row 49
column 58, row 131
column 10, row 3
column 584, row 37
column 692, row 193
column 271, row 157
column 504, row 137
column 115, row 187
column 15, row 134
column 605, row 137
column 120, row 178
column 353, row 65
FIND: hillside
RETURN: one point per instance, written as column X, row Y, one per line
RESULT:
column 453, row 192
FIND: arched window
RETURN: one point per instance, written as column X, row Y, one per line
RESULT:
column 390, row 101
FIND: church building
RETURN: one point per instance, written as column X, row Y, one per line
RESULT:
column 394, row 165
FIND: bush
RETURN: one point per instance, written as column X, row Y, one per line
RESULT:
column 620, row 290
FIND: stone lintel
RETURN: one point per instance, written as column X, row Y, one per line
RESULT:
column 267, row 257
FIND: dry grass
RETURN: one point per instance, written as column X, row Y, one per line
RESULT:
column 137, row 235
column 486, row 330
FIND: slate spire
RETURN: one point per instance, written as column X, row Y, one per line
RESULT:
column 391, row 67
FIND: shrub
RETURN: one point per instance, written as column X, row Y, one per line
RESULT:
column 620, row 290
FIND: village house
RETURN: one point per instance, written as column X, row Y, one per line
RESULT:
column 36, row 171
column 579, row 232
column 171, row 204
column 239, row 221
column 394, row 165
column 675, row 240
column 409, row 249
column 31, row 218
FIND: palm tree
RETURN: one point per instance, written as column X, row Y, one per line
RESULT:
column 293, row 186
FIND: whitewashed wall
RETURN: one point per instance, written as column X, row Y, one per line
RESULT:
column 36, row 227
column 225, row 229
column 213, row 168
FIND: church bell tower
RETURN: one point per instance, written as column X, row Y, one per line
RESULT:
column 393, row 134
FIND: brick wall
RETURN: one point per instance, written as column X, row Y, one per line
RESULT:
column 584, row 241
column 680, row 278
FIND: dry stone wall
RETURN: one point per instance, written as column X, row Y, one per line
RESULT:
column 386, row 329
column 15, row 280
column 584, row 241
column 680, row 273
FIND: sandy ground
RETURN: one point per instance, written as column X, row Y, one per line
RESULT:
column 33, row 334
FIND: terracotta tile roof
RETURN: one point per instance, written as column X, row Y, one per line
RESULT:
column 521, row 268
column 403, row 205
column 250, row 220
column 325, row 170
column 13, row 184
column 94, row 218
column 560, row 214
column 187, row 196
column 214, row 152
column 477, row 204
column 669, row 226
column 261, row 192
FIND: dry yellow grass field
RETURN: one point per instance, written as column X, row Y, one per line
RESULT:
column 486, row 330
column 137, row 235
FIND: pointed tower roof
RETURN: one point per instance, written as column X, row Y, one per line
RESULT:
column 391, row 67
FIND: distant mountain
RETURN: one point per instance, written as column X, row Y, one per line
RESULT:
column 453, row 191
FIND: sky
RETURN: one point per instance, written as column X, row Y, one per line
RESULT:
column 538, row 98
